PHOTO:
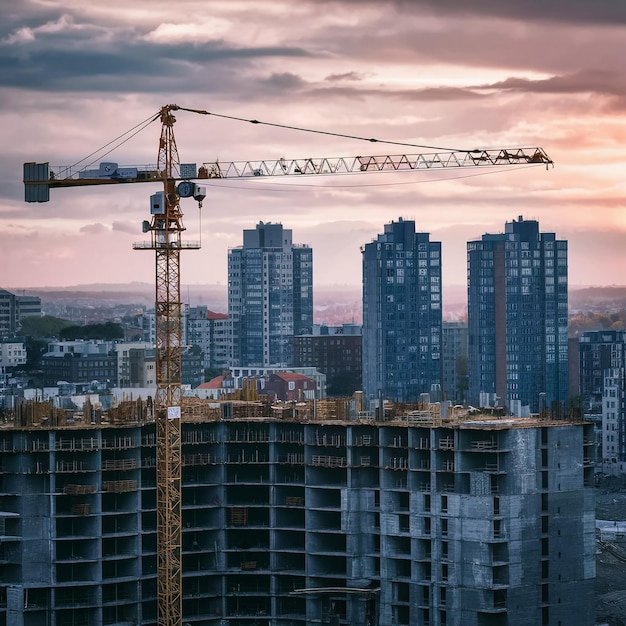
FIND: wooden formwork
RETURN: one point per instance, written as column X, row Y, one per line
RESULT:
column 79, row 490
column 332, row 409
column 119, row 486
column 119, row 464
column 238, row 516
column 199, row 410
column 131, row 412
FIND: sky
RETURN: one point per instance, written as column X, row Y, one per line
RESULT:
column 75, row 75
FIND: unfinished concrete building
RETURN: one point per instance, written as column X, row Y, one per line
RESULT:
column 300, row 514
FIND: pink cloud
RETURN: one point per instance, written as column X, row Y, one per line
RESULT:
column 94, row 229
column 446, row 74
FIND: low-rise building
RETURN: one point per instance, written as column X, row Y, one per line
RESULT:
column 13, row 309
column 289, row 387
column 80, row 362
column 12, row 354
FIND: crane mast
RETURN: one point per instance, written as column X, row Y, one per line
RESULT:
column 166, row 239
column 166, row 227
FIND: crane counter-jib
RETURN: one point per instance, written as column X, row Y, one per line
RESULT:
column 39, row 178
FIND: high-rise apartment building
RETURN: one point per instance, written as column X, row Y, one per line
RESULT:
column 517, row 318
column 270, row 295
column 602, row 376
column 402, row 314
column 613, row 424
column 598, row 350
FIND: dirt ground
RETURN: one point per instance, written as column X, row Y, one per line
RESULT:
column 610, row 569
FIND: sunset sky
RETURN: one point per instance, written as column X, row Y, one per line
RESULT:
column 75, row 75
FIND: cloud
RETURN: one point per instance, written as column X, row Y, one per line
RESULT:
column 131, row 228
column 285, row 81
column 196, row 32
column 81, row 51
column 586, row 81
column 341, row 77
column 601, row 12
column 491, row 74
column 94, row 229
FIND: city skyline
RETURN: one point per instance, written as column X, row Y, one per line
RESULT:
column 76, row 77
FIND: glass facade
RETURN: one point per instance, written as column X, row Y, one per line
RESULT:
column 402, row 314
column 517, row 318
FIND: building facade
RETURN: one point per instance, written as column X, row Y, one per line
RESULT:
column 517, row 320
column 402, row 314
column 454, row 361
column 211, row 332
column 13, row 309
column 598, row 351
column 130, row 359
column 12, row 354
column 289, row 387
column 292, row 518
column 613, row 426
column 337, row 352
column 270, row 296
column 80, row 362
column 602, row 359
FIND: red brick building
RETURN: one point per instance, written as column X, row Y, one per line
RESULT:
column 290, row 387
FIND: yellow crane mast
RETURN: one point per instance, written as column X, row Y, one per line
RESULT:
column 166, row 227
column 166, row 241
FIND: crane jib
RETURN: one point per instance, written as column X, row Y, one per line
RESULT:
column 39, row 178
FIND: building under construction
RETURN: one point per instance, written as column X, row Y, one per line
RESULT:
column 299, row 514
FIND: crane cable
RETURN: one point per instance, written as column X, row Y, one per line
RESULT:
column 145, row 123
column 139, row 128
column 324, row 132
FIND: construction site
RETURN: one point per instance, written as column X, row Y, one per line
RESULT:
column 308, row 513
column 282, row 518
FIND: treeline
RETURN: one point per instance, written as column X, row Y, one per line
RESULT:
column 583, row 322
column 108, row 330
column 49, row 327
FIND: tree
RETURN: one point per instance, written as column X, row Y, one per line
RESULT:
column 44, row 327
column 35, row 349
column 108, row 330
column 211, row 372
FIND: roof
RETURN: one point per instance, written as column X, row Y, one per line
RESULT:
column 214, row 383
column 212, row 315
column 291, row 376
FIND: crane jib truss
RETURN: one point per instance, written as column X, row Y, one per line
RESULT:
column 166, row 227
column 39, row 178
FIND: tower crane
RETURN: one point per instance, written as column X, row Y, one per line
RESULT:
column 166, row 228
